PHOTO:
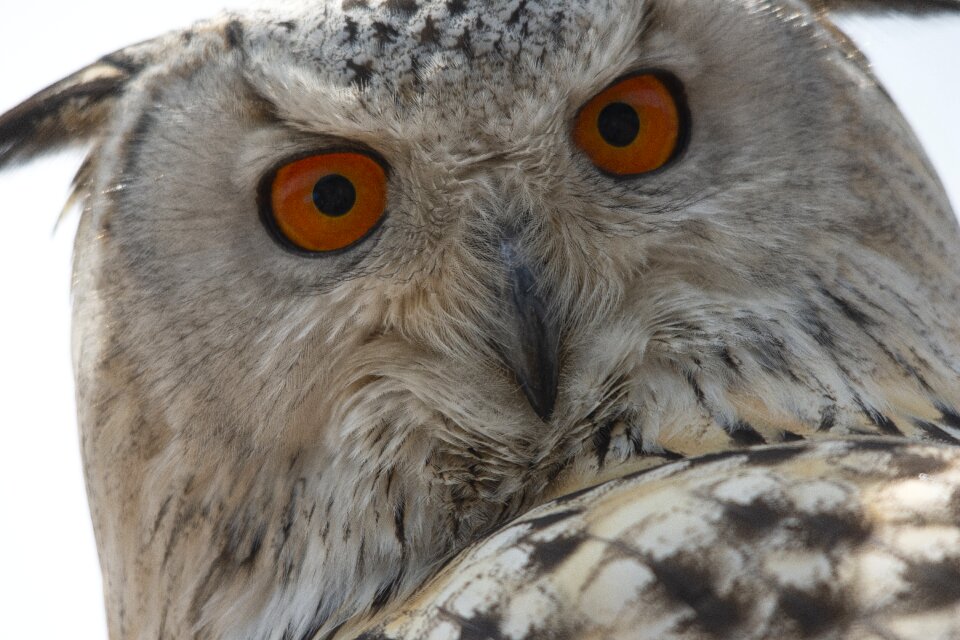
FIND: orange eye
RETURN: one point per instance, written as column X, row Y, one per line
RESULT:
column 325, row 202
column 636, row 125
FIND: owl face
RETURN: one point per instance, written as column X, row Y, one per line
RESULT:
column 427, row 263
column 471, row 115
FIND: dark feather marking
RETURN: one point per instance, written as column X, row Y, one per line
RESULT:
column 361, row 555
column 464, row 44
column 515, row 15
column 122, row 60
column 21, row 127
column 183, row 517
column 790, row 436
column 955, row 503
column 752, row 519
column 886, row 446
column 233, row 34
column 936, row 583
column 852, row 313
column 672, row 456
column 316, row 623
column 350, row 29
column 289, row 513
column 456, row 7
column 361, row 72
column 948, row 416
column 573, row 495
column 390, row 475
column 729, row 360
column 601, row 441
column 856, row 431
column 902, row 362
column 405, row 8
column 828, row 530
column 885, row 424
column 159, row 518
column 684, row 580
column 773, row 455
column 553, row 471
column 913, row 465
column 208, row 585
column 935, row 432
column 399, row 515
column 385, row 592
column 697, row 391
column 237, row 533
column 542, row 522
column 769, row 348
column 647, row 19
column 384, row 34
column 548, row 554
column 429, row 33
column 479, row 626
column 816, row 613
column 743, row 434
column 809, row 320
column 828, row 418
column 326, row 516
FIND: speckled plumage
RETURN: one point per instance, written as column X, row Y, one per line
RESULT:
column 831, row 539
column 284, row 447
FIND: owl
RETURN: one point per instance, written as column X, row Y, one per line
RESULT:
column 511, row 319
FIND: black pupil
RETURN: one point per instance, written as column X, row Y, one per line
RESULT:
column 334, row 195
column 619, row 124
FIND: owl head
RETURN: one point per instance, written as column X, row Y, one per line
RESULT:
column 357, row 282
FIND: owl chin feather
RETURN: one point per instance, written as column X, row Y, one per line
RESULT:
column 287, row 440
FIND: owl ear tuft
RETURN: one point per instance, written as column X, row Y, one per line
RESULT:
column 67, row 112
column 886, row 6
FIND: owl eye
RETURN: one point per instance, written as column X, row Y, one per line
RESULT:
column 324, row 202
column 636, row 125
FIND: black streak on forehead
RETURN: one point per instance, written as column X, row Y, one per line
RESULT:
column 233, row 34
column 456, row 7
column 405, row 8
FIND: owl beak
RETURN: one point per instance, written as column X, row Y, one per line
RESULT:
column 530, row 346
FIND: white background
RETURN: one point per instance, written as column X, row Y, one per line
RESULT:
column 49, row 579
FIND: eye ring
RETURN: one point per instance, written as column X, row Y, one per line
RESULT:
column 637, row 125
column 349, row 183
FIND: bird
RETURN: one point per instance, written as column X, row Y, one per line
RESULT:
column 511, row 319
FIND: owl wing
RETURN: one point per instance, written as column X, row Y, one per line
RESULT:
column 857, row 538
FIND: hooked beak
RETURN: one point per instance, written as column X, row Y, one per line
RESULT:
column 530, row 346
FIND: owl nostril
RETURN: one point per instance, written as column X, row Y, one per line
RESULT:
column 530, row 346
